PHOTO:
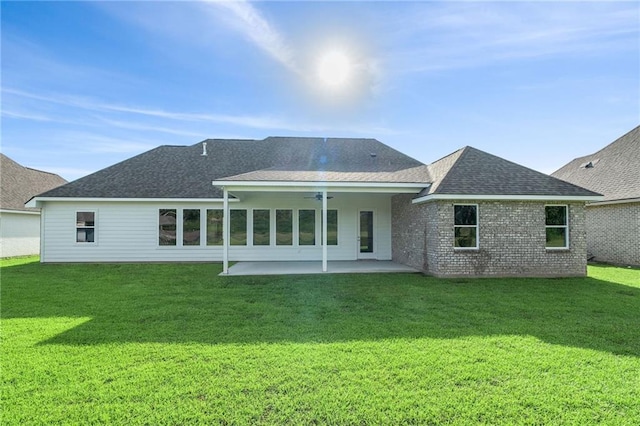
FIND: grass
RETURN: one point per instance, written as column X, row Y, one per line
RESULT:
column 176, row 344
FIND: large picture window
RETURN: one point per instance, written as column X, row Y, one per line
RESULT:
column 284, row 227
column 85, row 227
column 191, row 227
column 214, row 227
column 466, row 226
column 557, row 229
column 167, row 227
column 306, row 227
column 261, row 227
column 238, row 227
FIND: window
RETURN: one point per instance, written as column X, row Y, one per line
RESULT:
column 556, row 227
column 85, row 227
column 306, row 227
column 191, row 227
column 214, row 227
column 238, row 227
column 284, row 227
column 167, row 227
column 261, row 227
column 332, row 227
column 466, row 226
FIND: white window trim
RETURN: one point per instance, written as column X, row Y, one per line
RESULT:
column 337, row 229
column 315, row 229
column 477, row 226
column 566, row 226
column 178, row 226
column 293, row 228
column 248, row 228
column 94, row 227
column 205, row 228
column 271, row 234
column 182, row 244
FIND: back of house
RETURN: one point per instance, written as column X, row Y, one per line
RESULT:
column 320, row 199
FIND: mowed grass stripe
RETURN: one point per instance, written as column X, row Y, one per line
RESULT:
column 176, row 344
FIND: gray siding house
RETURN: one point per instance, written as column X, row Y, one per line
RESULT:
column 320, row 199
column 613, row 224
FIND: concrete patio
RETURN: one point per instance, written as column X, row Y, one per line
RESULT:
column 315, row 267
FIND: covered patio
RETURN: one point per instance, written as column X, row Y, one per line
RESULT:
column 316, row 267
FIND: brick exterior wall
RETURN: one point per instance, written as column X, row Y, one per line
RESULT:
column 511, row 240
column 613, row 233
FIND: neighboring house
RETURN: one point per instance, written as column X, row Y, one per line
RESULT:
column 20, row 226
column 470, row 213
column 613, row 224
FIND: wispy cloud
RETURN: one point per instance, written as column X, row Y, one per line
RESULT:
column 250, row 22
column 259, row 122
column 463, row 35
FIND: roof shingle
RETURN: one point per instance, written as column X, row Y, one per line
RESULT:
column 183, row 172
column 614, row 171
column 18, row 184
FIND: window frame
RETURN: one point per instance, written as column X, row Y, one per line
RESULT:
column 206, row 228
column 253, row 227
column 565, row 227
column 476, row 226
column 94, row 227
column 246, row 228
column 315, row 227
column 177, row 225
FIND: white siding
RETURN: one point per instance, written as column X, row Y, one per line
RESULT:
column 128, row 231
column 19, row 234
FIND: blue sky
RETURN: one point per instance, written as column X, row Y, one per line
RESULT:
column 89, row 84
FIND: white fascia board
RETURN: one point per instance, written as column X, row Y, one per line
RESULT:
column 36, row 201
column 434, row 197
column 19, row 212
column 607, row 203
column 302, row 186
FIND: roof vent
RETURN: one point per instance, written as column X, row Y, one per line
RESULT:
column 373, row 155
column 204, row 149
column 589, row 164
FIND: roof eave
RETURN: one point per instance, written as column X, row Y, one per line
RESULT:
column 489, row 197
column 37, row 201
column 301, row 186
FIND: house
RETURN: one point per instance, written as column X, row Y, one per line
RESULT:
column 285, row 198
column 20, row 226
column 613, row 223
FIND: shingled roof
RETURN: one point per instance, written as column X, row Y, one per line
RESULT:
column 613, row 171
column 183, row 172
column 18, row 184
column 470, row 171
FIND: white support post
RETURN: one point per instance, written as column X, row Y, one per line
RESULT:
column 225, row 232
column 324, row 230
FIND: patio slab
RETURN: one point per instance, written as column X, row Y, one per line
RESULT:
column 315, row 267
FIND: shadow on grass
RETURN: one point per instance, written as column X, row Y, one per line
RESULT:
column 190, row 303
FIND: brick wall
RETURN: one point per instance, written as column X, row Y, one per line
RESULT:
column 613, row 233
column 511, row 240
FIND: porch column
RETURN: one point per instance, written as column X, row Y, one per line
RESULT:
column 324, row 230
column 225, row 232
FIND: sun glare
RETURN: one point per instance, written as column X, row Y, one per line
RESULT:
column 334, row 69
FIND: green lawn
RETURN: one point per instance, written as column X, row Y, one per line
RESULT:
column 176, row 344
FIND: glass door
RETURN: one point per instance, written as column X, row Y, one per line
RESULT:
column 365, row 235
